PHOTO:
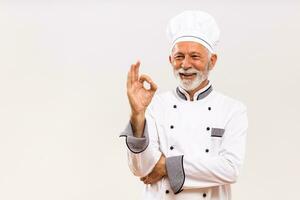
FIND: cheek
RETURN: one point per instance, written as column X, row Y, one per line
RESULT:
column 176, row 64
column 201, row 66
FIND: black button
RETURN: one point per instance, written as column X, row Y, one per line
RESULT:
column 209, row 108
column 171, row 126
column 204, row 195
column 207, row 128
column 171, row 147
column 167, row 191
column 206, row 150
column 174, row 106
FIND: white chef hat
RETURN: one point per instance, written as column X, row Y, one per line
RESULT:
column 196, row 26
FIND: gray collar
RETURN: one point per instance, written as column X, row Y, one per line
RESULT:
column 185, row 96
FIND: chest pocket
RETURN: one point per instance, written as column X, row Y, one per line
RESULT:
column 216, row 139
column 217, row 132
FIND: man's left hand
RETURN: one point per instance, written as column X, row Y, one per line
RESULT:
column 158, row 172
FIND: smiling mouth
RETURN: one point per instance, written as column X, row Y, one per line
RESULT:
column 187, row 75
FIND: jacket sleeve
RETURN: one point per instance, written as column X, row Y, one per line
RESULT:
column 142, row 153
column 204, row 170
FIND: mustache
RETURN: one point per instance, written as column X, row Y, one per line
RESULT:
column 190, row 70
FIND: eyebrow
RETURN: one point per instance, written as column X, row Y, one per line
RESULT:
column 194, row 52
column 178, row 53
column 190, row 53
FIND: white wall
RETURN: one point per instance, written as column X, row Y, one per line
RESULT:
column 63, row 101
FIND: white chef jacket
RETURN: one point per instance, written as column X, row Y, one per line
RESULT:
column 203, row 142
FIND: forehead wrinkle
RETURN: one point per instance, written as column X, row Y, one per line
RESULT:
column 191, row 48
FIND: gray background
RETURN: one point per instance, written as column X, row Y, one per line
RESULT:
column 63, row 98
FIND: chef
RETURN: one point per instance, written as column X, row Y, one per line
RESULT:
column 187, row 143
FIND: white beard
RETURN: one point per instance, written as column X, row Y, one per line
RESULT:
column 189, row 85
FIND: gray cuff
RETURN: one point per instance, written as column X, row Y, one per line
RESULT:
column 175, row 173
column 135, row 144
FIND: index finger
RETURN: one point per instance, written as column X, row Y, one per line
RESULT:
column 153, row 86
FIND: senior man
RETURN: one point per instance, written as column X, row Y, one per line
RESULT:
column 188, row 143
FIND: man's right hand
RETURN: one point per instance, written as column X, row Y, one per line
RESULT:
column 139, row 97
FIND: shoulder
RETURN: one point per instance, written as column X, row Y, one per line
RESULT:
column 162, row 97
column 229, row 102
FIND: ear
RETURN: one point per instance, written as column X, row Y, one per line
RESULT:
column 213, row 60
column 170, row 59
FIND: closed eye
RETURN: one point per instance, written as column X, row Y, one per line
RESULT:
column 178, row 57
column 195, row 57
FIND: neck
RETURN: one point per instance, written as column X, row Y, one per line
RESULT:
column 192, row 92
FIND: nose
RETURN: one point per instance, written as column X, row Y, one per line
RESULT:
column 186, row 64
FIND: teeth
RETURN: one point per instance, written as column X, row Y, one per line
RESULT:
column 187, row 74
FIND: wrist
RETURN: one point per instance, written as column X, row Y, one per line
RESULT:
column 137, row 117
column 137, row 114
column 138, row 123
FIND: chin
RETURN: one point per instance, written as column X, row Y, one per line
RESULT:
column 189, row 85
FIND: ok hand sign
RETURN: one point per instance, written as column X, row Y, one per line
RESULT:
column 139, row 97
